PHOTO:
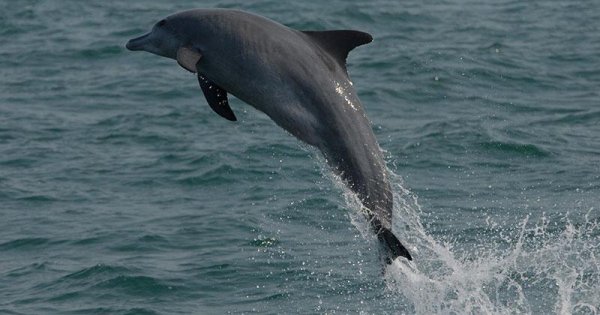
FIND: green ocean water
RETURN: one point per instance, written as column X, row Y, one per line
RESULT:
column 121, row 192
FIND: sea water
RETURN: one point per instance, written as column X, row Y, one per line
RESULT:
column 121, row 192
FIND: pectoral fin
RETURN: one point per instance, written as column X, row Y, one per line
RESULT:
column 187, row 58
column 216, row 97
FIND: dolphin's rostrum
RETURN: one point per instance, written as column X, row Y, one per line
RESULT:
column 299, row 79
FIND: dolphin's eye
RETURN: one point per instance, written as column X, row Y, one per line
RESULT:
column 162, row 23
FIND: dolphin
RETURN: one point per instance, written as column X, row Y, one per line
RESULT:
column 299, row 79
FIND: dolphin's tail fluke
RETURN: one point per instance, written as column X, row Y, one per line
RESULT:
column 392, row 246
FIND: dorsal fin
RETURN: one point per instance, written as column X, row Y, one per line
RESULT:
column 339, row 43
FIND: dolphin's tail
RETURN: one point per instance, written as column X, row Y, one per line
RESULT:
column 392, row 246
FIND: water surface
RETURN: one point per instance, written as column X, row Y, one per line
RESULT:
column 121, row 192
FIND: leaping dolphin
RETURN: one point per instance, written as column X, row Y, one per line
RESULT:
column 298, row 78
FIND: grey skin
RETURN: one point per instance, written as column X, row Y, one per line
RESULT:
column 298, row 79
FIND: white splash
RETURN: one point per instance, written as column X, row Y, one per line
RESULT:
column 534, row 269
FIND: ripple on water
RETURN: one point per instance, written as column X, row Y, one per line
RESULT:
column 145, row 243
column 96, row 271
column 137, row 285
column 24, row 243
column 113, row 310
column 514, row 149
column 104, row 281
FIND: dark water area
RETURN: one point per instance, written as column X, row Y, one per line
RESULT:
column 121, row 192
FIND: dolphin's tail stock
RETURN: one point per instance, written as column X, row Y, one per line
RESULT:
column 365, row 174
column 392, row 247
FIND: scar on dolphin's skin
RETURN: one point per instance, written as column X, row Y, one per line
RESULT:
column 299, row 79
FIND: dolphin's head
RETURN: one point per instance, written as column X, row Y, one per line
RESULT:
column 162, row 40
column 197, row 28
